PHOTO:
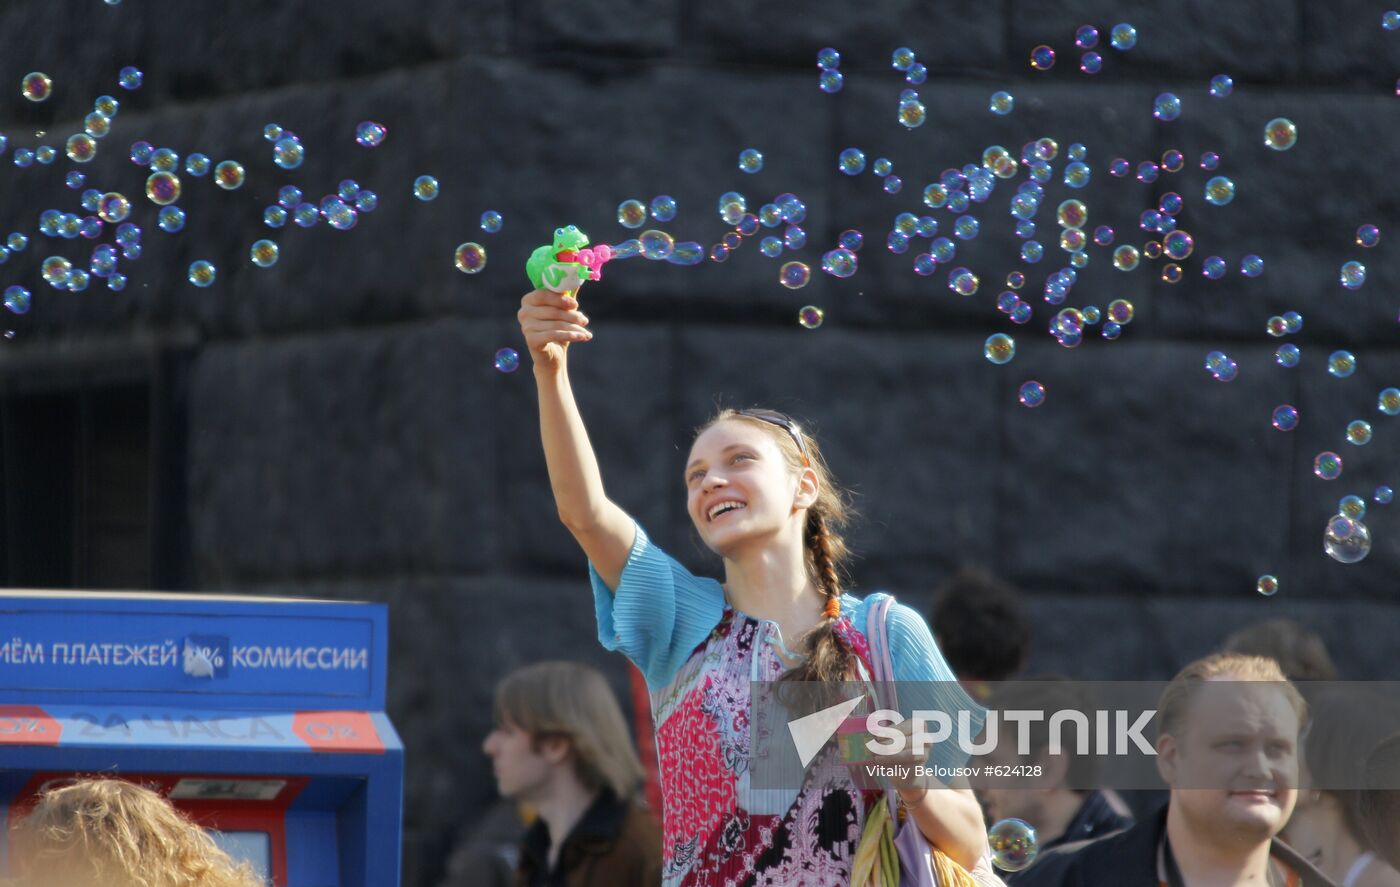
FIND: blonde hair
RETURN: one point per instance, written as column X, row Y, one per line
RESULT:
column 119, row 834
column 827, row 657
column 1179, row 693
column 572, row 701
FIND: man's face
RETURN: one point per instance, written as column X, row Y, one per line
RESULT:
column 520, row 768
column 1233, row 767
column 1020, row 797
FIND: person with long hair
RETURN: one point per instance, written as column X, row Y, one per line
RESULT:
column 561, row 745
column 760, row 495
column 112, row 833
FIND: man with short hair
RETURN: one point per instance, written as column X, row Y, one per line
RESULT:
column 980, row 624
column 1228, row 750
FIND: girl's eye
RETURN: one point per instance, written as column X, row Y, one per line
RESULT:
column 738, row 456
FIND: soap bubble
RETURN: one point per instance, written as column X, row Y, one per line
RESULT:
column 1384, row 495
column 1220, row 366
column 656, row 245
column 794, row 275
column 1390, row 20
column 1071, row 214
column 1125, row 257
column 1220, row 191
column 470, row 258
column 263, row 253
column 1327, row 465
column 1091, row 63
column 1123, row 36
column 687, row 253
column 1166, row 107
column 104, row 260
column 1346, row 540
column 719, row 253
column 916, row 74
column 1221, row 85
column 306, row 215
column 663, row 208
column 81, row 148
column 1341, row 364
column 289, row 196
column 1368, row 236
column 966, row 227
column 129, row 78
column 1171, row 273
column 491, row 221
column 36, row 86
column 851, row 161
column 197, row 164
column 1178, row 245
column 1358, row 432
column 164, row 160
column 507, row 360
column 1353, row 274
column 229, row 175
column 999, row 348
column 369, row 134
column 1120, row 311
column 141, row 152
column 1170, row 203
column 850, row 239
column 1251, row 266
column 912, row 114
column 631, row 214
column 171, row 219
column 202, row 273
column 273, row 131
column 830, row 82
column 1013, row 843
column 1077, row 174
column 1147, row 172
column 55, row 270
column 45, row 154
column 1285, row 417
column 1389, row 401
column 426, row 188
column 1287, row 355
column 288, row 153
column 1042, row 58
column 1086, row 37
column 810, row 316
column 1002, row 103
column 1073, row 240
column 24, row 158
column 1352, row 506
column 828, row 58
column 163, row 188
column 113, row 207
column 770, row 246
column 338, row 213
column 750, row 160
column 963, row 282
column 78, row 281
column 1266, row 585
column 1031, row 394
column 1119, row 167
column 1292, row 321
column 893, row 184
column 17, row 299
column 748, row 225
column 1032, row 252
column 839, row 262
column 16, row 242
column 1280, row 134
column 902, row 58
column 74, row 179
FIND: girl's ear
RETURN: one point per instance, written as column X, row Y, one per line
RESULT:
column 807, row 489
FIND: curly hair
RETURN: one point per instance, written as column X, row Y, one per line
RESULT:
column 113, row 832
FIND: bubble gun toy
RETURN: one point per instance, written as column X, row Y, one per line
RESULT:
column 566, row 264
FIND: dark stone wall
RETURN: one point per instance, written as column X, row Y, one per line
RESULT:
column 347, row 436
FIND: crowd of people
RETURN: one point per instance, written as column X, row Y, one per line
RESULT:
column 1269, row 779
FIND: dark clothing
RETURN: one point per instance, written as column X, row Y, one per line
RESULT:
column 615, row 844
column 1129, row 859
column 1095, row 818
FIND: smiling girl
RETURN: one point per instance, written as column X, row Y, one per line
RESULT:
column 761, row 497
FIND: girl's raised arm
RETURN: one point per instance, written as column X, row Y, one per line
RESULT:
column 550, row 322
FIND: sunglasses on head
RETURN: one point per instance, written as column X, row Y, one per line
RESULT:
column 773, row 417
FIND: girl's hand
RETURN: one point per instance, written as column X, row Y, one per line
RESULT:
column 550, row 321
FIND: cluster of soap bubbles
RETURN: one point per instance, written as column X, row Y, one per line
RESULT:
column 829, row 63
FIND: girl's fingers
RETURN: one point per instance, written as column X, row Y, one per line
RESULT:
column 549, row 326
column 526, row 315
column 545, row 298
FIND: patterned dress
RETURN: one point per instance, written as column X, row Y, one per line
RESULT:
column 700, row 658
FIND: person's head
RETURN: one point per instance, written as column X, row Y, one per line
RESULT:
column 1059, row 775
column 1344, row 726
column 1228, row 747
column 981, row 626
column 755, row 480
column 558, row 721
column 1380, row 799
column 111, row 833
column 1298, row 650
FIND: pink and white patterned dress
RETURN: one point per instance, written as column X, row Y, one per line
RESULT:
column 701, row 658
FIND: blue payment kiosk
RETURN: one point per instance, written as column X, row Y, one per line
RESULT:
column 262, row 719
